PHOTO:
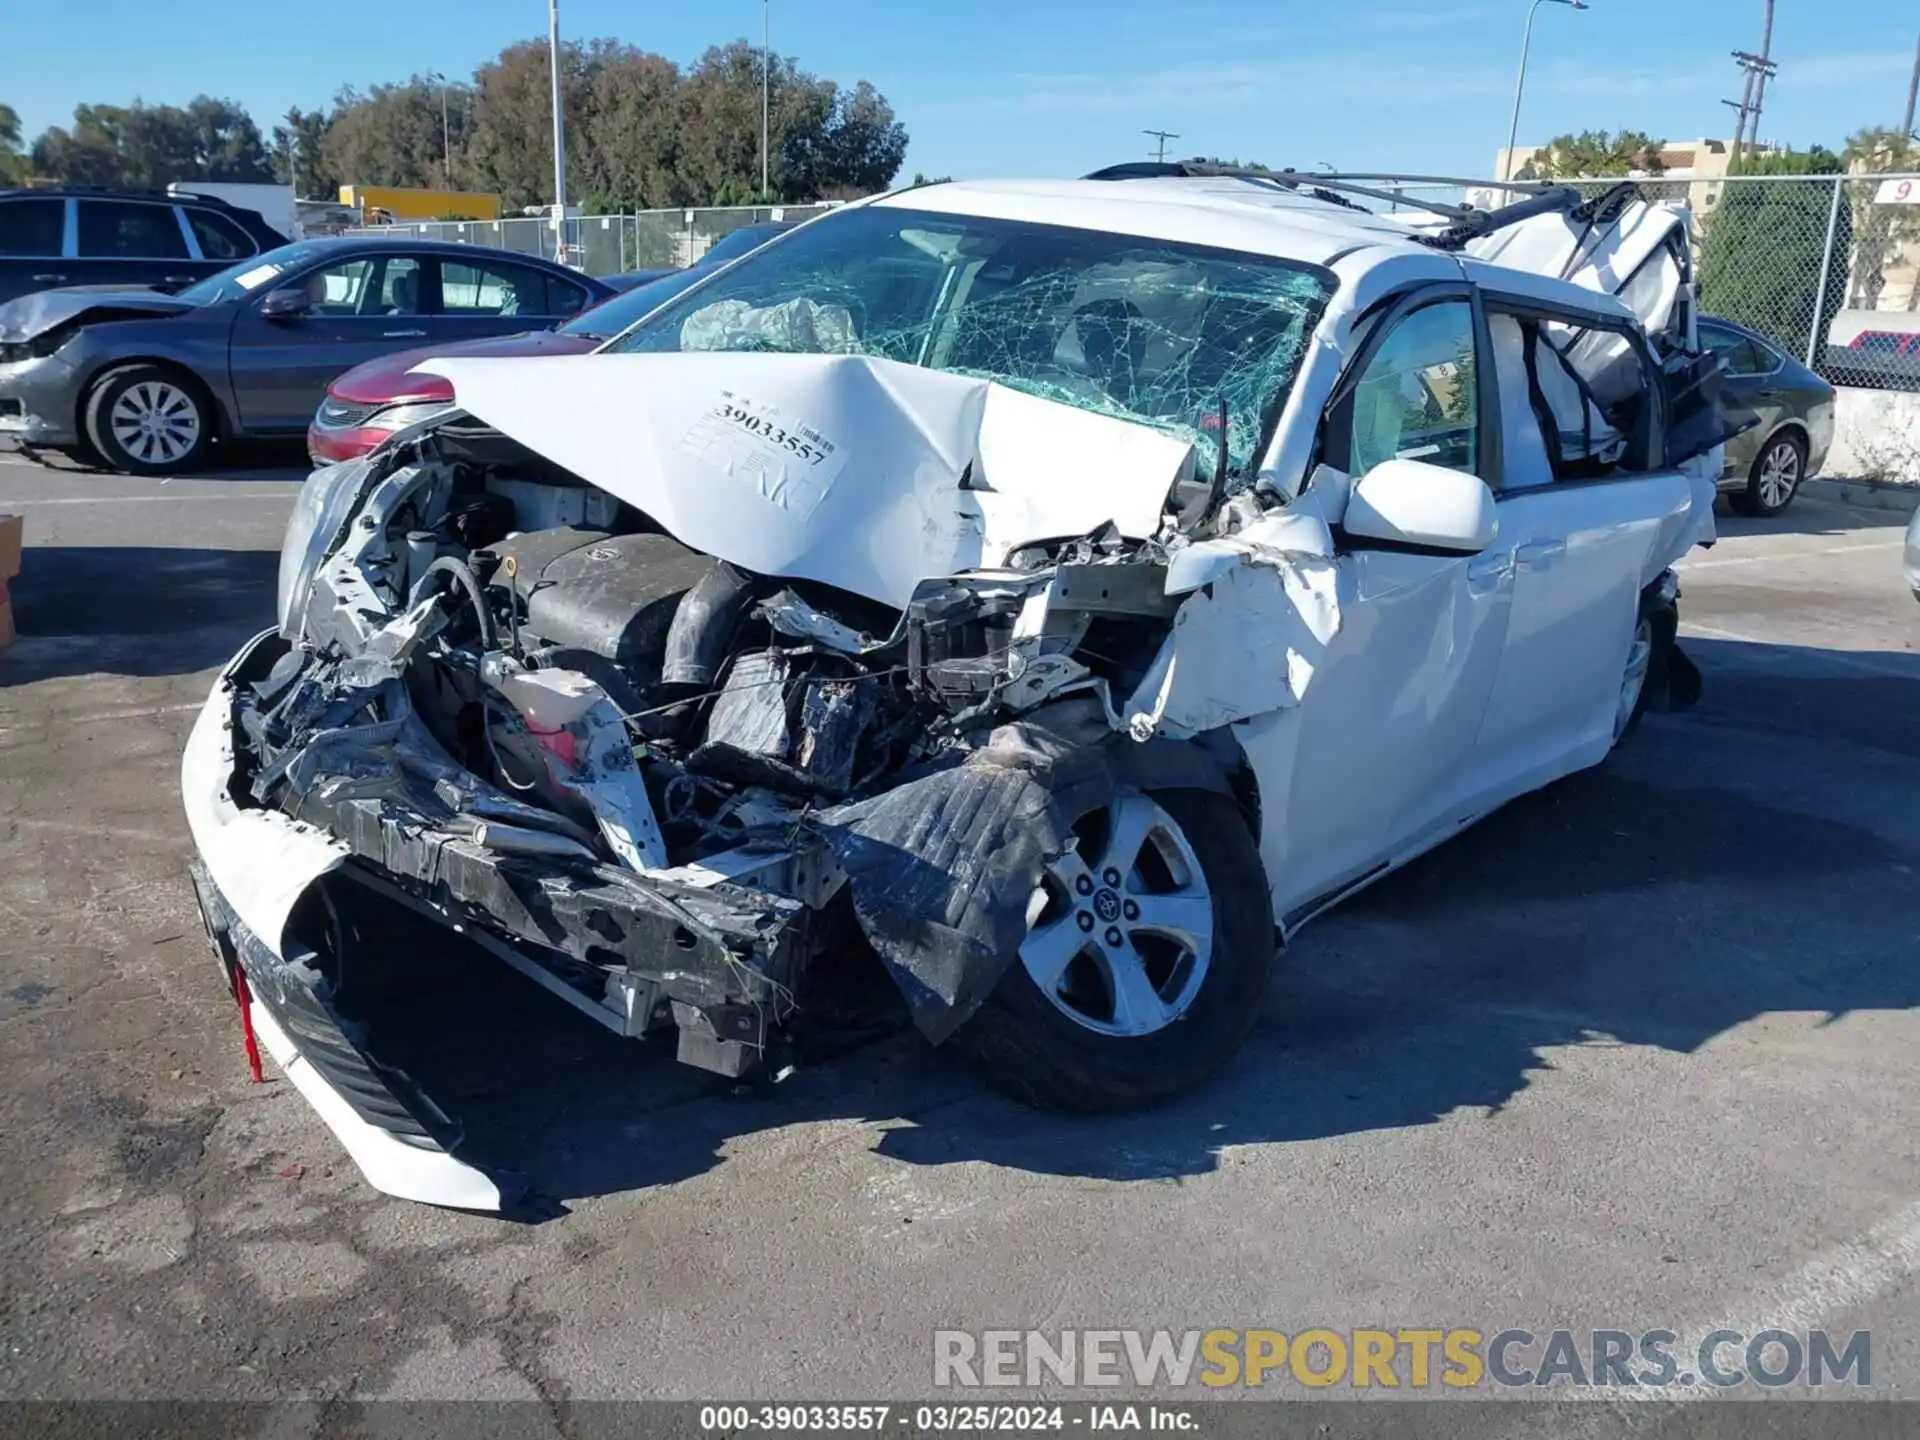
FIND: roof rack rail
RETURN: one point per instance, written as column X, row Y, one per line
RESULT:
column 1333, row 190
column 1469, row 222
column 125, row 192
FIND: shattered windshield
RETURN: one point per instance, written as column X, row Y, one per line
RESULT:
column 1153, row 331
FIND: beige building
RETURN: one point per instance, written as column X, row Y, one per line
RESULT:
column 1701, row 163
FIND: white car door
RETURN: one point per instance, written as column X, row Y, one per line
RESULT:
column 1586, row 526
column 1357, row 775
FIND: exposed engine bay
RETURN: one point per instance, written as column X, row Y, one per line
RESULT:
column 647, row 774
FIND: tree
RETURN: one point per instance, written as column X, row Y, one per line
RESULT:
column 1883, row 229
column 300, row 155
column 13, row 164
column 631, row 155
column 154, row 145
column 1760, row 262
column 641, row 133
column 392, row 134
column 1595, row 152
column 510, row 148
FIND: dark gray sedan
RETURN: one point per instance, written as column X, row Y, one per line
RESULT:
column 1791, row 410
column 147, row 381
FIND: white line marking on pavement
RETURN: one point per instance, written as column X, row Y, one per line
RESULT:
column 1832, row 1284
column 1837, row 657
column 141, row 499
column 1687, row 565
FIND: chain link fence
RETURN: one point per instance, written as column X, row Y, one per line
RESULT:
column 1826, row 266
column 608, row 244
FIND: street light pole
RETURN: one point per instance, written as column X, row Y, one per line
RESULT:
column 446, row 141
column 559, row 137
column 766, row 65
column 1520, row 83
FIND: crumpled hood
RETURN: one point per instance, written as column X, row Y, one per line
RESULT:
column 862, row 473
column 44, row 310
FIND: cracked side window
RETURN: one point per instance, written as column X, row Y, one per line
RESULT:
column 1145, row 330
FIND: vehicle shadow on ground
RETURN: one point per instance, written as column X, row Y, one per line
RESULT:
column 1806, row 516
column 239, row 460
column 1703, row 877
column 134, row 609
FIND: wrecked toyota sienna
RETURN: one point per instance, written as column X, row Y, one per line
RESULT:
column 1061, row 590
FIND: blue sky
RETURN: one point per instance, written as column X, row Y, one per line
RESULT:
column 1007, row 87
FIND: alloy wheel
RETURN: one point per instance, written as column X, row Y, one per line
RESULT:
column 1120, row 942
column 1779, row 474
column 1634, row 679
column 155, row 422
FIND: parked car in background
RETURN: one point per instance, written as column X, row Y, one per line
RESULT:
column 81, row 235
column 1791, row 410
column 1910, row 557
column 1874, row 349
column 147, row 381
column 372, row 401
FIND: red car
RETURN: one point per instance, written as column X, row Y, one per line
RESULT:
column 372, row 401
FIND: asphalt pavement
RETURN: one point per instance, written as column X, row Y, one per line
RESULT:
column 1638, row 1052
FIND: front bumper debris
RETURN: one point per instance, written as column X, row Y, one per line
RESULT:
column 39, row 401
column 624, row 947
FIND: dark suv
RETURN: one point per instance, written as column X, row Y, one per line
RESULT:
column 79, row 235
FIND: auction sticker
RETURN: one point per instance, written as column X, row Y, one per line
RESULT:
column 789, row 462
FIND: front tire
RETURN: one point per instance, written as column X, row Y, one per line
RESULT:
column 149, row 420
column 1775, row 477
column 1148, row 953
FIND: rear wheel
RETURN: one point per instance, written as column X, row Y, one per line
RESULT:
column 1633, row 680
column 1146, row 961
column 149, row 420
column 1775, row 477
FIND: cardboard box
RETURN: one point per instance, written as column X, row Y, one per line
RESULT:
column 11, row 527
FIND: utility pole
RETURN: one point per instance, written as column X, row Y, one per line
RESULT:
column 766, row 67
column 1913, row 94
column 1759, row 69
column 559, row 137
column 1520, row 80
column 446, row 135
column 1162, row 136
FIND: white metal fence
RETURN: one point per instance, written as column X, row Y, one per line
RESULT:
column 608, row 244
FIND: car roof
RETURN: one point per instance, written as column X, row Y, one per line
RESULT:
column 1220, row 210
column 349, row 244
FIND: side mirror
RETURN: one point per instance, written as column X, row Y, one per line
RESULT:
column 288, row 304
column 1409, row 504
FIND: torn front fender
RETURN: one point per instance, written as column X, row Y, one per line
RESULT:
column 941, row 869
column 1249, row 638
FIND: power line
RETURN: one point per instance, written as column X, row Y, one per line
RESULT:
column 1163, row 136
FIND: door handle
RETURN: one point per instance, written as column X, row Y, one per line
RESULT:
column 178, row 279
column 49, row 279
column 1539, row 554
column 1489, row 571
column 403, row 334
